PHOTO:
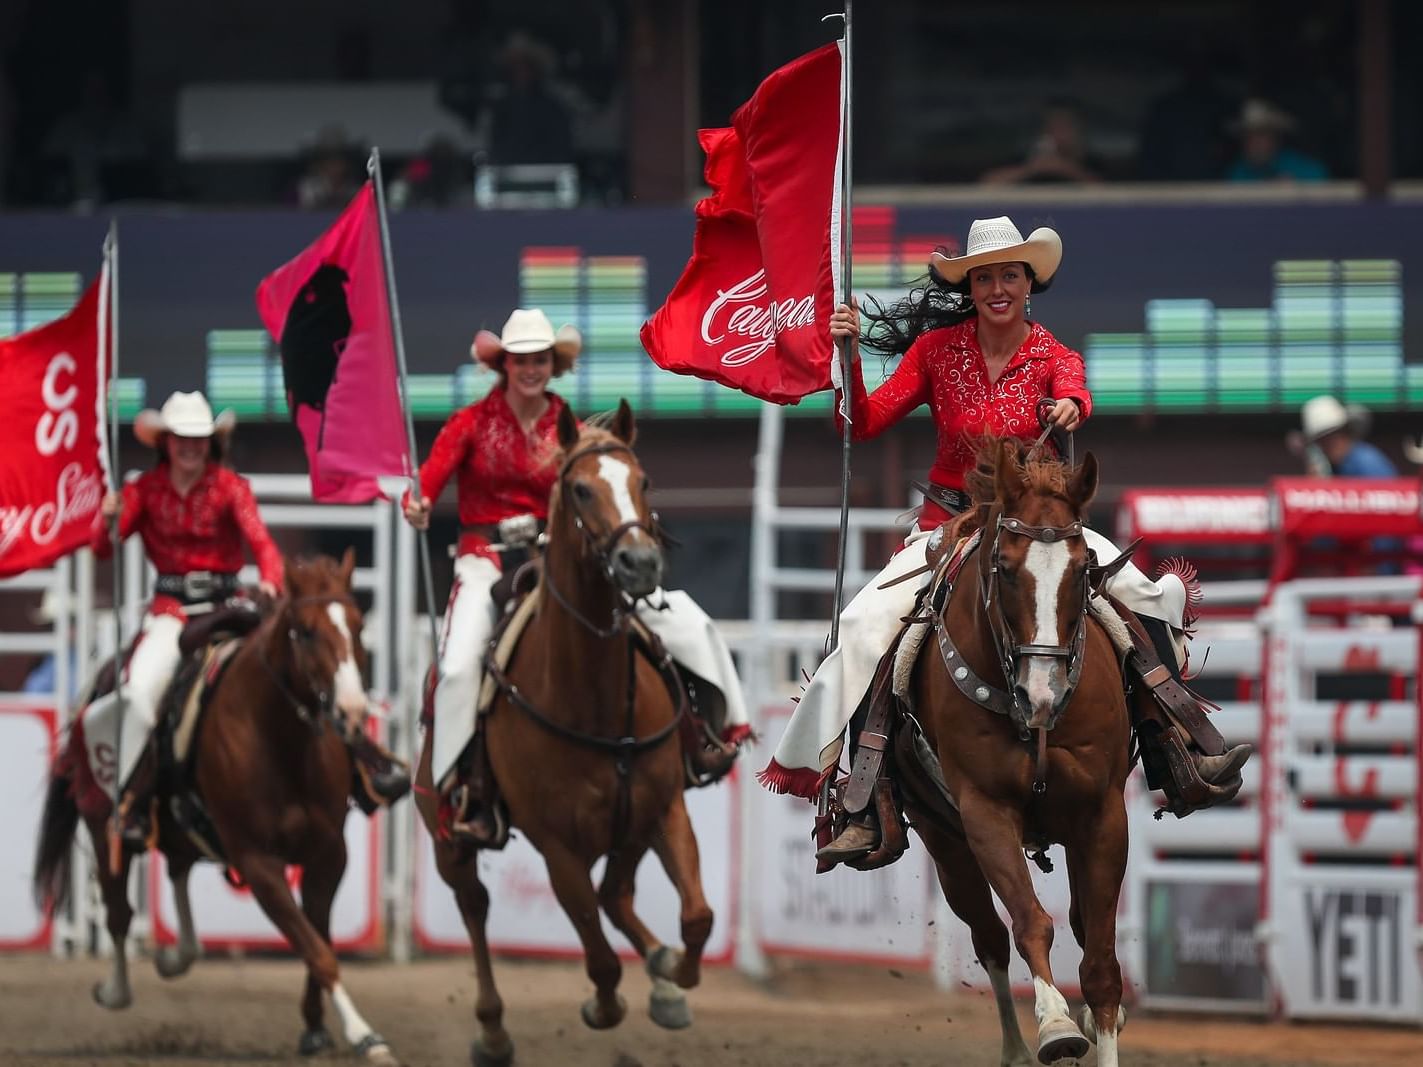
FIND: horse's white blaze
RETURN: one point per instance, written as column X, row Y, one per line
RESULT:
column 618, row 475
column 1047, row 563
column 1015, row 1050
column 350, row 693
column 1048, row 1003
column 353, row 1026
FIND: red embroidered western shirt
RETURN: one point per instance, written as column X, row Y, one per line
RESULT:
column 503, row 471
column 203, row 531
column 944, row 368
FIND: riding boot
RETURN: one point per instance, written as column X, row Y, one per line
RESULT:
column 378, row 779
column 475, row 816
column 860, row 837
column 138, row 825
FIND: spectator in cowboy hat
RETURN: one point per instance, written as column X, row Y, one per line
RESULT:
column 1331, row 438
column 1262, row 129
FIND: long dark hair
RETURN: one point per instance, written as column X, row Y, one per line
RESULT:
column 933, row 302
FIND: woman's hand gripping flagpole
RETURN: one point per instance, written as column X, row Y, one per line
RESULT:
column 846, row 208
column 398, row 336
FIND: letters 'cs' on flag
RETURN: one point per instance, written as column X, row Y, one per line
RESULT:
column 752, row 308
column 51, row 435
column 328, row 312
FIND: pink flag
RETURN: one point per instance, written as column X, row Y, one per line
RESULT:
column 328, row 312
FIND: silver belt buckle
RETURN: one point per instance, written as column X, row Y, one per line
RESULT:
column 197, row 585
column 518, row 531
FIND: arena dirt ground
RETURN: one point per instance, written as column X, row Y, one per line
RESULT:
column 233, row 1011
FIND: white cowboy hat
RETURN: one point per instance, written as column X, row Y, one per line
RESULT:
column 182, row 415
column 528, row 330
column 1321, row 416
column 998, row 241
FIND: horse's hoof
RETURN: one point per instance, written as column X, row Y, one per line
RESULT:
column 373, row 1049
column 314, row 1041
column 171, row 963
column 107, row 998
column 1088, row 1022
column 668, row 1007
column 663, row 963
column 1059, row 1039
column 593, row 1014
column 481, row 1055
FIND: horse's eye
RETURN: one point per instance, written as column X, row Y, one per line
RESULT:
column 582, row 492
column 1010, row 577
column 646, row 483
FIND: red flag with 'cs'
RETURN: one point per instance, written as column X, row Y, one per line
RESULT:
column 51, row 435
column 328, row 311
column 752, row 307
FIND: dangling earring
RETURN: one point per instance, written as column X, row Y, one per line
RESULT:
column 1028, row 306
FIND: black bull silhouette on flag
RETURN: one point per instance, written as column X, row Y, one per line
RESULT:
column 314, row 336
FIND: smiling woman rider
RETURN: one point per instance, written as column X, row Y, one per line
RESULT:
column 973, row 355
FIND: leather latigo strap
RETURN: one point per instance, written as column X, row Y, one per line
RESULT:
column 874, row 738
column 1183, row 707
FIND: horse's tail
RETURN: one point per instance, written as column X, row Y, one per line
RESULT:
column 70, row 782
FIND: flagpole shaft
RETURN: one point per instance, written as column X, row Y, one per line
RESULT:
column 398, row 336
column 111, row 310
column 846, row 234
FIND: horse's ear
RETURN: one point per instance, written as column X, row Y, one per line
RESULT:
column 624, row 426
column 567, row 428
column 348, row 566
column 1083, row 486
column 1007, row 472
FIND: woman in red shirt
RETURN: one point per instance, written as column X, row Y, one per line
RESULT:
column 971, row 354
column 505, row 450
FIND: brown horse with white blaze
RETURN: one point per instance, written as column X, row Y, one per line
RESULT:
column 582, row 739
column 274, row 774
column 1044, row 760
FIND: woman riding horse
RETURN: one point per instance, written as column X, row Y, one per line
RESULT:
column 504, row 449
column 972, row 354
column 194, row 516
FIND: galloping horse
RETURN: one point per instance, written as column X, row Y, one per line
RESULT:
column 582, row 739
column 1046, row 762
column 274, row 775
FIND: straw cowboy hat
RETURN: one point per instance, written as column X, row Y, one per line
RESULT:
column 1322, row 416
column 182, row 415
column 998, row 241
column 528, row 330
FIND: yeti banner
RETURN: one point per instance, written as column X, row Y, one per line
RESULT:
column 51, row 479
column 328, row 312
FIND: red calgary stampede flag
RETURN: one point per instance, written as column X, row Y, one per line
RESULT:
column 752, row 309
column 328, row 312
column 51, row 435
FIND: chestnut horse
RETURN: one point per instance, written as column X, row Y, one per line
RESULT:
column 274, row 775
column 1044, row 760
column 582, row 740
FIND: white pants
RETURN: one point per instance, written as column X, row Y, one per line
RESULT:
column 814, row 736
column 146, row 677
column 469, row 621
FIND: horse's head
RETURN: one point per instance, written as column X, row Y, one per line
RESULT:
column 1035, row 578
column 602, row 494
column 320, row 624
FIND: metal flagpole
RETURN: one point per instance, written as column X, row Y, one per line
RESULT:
column 398, row 336
column 846, row 208
column 109, row 342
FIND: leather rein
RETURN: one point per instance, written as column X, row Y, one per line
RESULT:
column 625, row 748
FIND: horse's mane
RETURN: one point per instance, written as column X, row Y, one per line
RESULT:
column 318, row 565
column 1041, row 473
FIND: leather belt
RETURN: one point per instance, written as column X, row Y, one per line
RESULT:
column 954, row 501
column 197, row 587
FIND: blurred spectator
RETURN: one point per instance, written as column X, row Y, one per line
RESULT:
column 94, row 142
column 1059, row 153
column 331, row 177
column 528, row 120
column 1264, row 156
column 441, row 175
column 1331, row 440
column 1183, row 133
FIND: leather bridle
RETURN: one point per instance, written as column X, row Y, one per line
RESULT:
column 301, row 639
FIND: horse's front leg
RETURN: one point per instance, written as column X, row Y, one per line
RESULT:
column 676, row 846
column 995, row 833
column 320, row 878
column 265, row 875
column 115, row 992
column 171, row 961
column 568, row 875
column 1097, row 861
column 667, row 1004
